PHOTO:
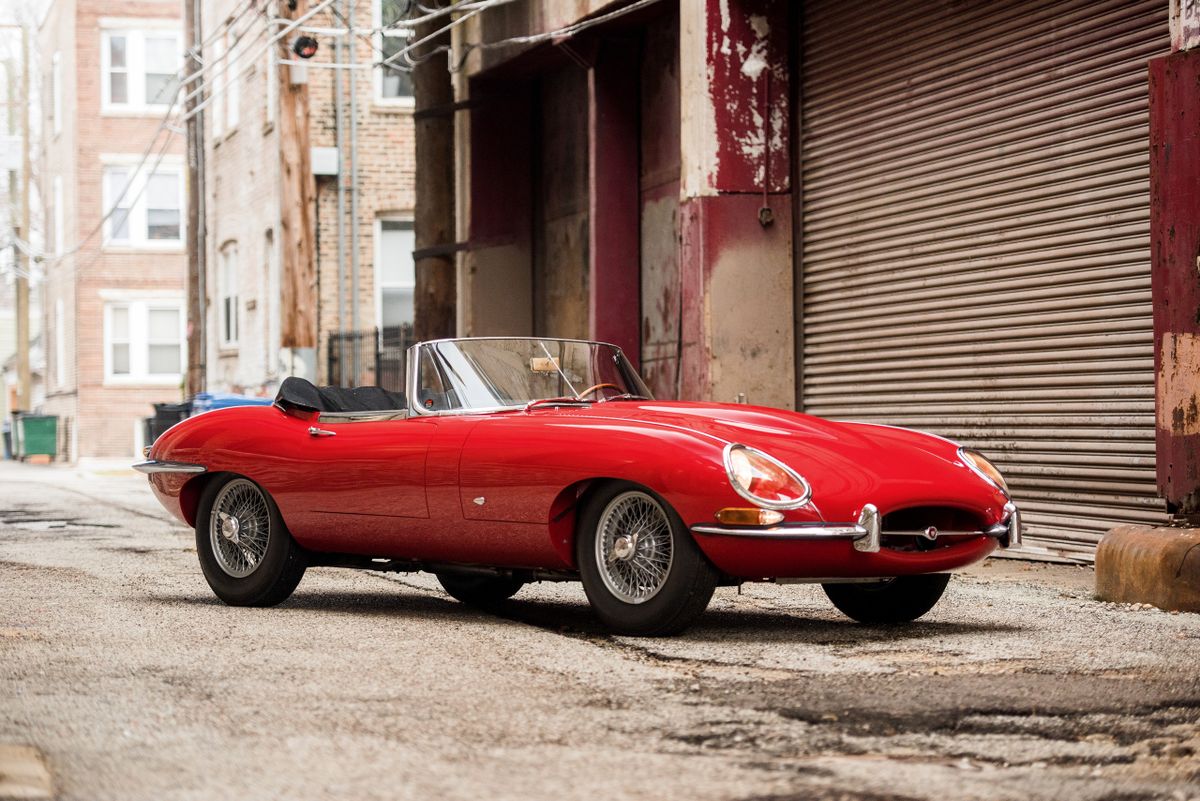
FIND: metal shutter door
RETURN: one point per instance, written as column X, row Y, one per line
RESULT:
column 976, row 241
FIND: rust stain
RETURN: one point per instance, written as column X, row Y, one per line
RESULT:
column 1178, row 388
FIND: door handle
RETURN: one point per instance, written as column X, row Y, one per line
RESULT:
column 313, row 431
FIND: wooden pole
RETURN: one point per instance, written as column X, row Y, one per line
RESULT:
column 435, row 298
column 298, row 321
column 196, row 301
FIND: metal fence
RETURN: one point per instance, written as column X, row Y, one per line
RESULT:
column 374, row 357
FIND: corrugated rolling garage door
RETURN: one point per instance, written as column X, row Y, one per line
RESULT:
column 976, row 246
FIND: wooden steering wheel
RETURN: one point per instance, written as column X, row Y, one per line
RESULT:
column 593, row 388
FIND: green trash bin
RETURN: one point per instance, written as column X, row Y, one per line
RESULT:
column 37, row 434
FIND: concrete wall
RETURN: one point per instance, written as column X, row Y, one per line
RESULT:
column 715, row 317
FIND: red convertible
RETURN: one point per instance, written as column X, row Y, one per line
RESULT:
column 512, row 460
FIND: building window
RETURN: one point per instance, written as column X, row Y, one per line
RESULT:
column 232, row 81
column 59, row 217
column 143, row 341
column 56, row 93
column 60, row 344
column 271, row 74
column 139, row 69
column 395, row 274
column 227, row 286
column 144, row 210
column 393, row 85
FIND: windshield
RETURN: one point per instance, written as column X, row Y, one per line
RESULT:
column 480, row 374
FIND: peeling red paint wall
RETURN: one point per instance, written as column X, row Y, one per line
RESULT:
column 748, row 51
column 1175, row 276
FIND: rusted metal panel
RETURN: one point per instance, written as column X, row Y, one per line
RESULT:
column 975, row 252
column 561, row 218
column 615, row 313
column 661, row 290
column 747, row 57
column 1175, row 232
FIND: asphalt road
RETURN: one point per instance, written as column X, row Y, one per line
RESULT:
column 118, row 664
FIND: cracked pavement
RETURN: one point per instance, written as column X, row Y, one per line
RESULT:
column 134, row 682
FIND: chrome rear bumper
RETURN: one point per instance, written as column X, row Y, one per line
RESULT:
column 867, row 533
column 155, row 466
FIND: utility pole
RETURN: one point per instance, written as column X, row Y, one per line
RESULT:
column 435, row 299
column 297, row 244
column 24, row 390
column 196, row 330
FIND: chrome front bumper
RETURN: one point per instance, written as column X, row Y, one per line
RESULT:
column 155, row 466
column 867, row 533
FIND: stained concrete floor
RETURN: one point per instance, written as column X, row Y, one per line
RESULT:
column 117, row 663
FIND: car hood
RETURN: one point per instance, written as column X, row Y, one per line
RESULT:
column 847, row 464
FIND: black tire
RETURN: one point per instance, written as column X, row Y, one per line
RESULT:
column 274, row 575
column 899, row 600
column 680, row 597
column 483, row 592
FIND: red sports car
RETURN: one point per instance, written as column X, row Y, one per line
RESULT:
column 512, row 460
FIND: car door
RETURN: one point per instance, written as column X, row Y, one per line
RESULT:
column 358, row 483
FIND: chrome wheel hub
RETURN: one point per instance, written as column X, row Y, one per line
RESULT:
column 239, row 528
column 634, row 550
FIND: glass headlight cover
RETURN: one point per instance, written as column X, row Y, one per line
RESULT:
column 985, row 469
column 763, row 480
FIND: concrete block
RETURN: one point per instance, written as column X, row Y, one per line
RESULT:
column 1160, row 566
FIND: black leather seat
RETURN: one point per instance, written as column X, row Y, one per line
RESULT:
column 297, row 393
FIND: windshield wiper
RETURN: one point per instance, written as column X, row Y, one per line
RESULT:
column 563, row 401
column 624, row 396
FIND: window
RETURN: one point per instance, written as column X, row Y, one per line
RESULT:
column 139, row 69
column 392, row 84
column 146, row 209
column 143, row 341
column 59, row 217
column 227, row 285
column 60, row 344
column 395, row 273
column 271, row 74
column 232, row 81
column 56, row 90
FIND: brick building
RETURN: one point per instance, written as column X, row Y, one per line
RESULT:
column 113, row 297
column 936, row 217
column 362, row 157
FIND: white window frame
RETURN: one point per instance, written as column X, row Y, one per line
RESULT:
column 233, row 84
column 56, row 93
column 272, row 90
column 225, row 282
column 140, row 303
column 135, row 33
column 60, row 344
column 377, row 72
column 379, row 285
column 60, row 223
column 137, row 214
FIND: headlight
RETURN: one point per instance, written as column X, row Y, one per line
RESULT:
column 764, row 481
column 986, row 470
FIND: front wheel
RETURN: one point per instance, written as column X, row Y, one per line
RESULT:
column 247, row 555
column 641, row 570
column 896, row 600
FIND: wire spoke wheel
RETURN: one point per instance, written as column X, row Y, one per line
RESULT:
column 239, row 528
column 634, row 550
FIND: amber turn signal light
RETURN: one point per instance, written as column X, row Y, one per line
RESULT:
column 732, row 516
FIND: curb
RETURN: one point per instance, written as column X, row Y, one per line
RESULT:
column 1159, row 566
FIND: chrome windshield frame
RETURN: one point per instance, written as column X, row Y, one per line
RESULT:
column 417, row 350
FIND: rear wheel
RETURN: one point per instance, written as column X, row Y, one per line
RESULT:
column 896, row 600
column 247, row 555
column 480, row 591
column 641, row 570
